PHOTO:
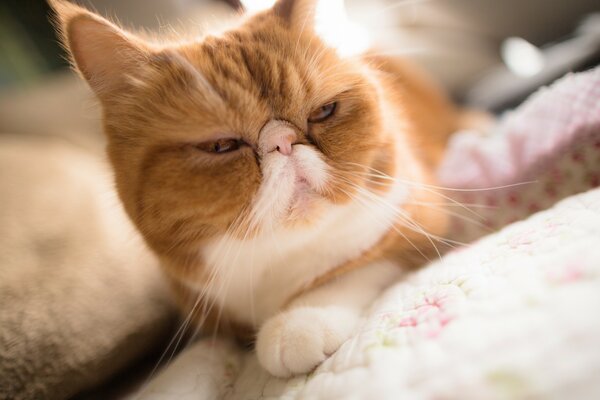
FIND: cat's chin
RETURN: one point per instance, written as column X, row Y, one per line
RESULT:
column 306, row 205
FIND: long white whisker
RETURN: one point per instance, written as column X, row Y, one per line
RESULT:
column 366, row 204
column 458, row 215
column 408, row 222
column 446, row 204
column 404, row 217
column 382, row 175
column 223, row 287
column 427, row 188
column 227, row 239
column 180, row 331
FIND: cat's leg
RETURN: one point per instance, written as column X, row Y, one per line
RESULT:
column 317, row 323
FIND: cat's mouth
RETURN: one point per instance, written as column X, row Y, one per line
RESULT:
column 305, row 200
column 302, row 183
column 293, row 188
column 302, row 190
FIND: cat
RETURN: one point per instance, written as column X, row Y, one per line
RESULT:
column 282, row 185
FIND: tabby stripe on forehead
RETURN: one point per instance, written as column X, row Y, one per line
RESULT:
column 256, row 72
column 246, row 61
column 266, row 75
column 209, row 52
column 283, row 77
column 229, row 69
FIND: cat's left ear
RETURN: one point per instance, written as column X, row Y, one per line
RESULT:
column 298, row 14
column 103, row 53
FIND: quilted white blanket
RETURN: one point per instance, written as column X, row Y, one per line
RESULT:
column 515, row 315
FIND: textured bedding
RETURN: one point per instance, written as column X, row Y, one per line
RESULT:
column 514, row 315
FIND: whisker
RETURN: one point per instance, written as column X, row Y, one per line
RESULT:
column 445, row 204
column 180, row 331
column 435, row 189
column 177, row 337
column 459, row 215
column 404, row 217
column 365, row 204
column 383, row 175
column 208, row 305
column 407, row 220
column 399, row 213
column 223, row 288
column 455, row 202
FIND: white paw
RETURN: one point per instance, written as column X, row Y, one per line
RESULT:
column 298, row 340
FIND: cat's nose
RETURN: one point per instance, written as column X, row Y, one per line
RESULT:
column 277, row 136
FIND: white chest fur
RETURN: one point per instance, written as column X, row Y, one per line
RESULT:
column 254, row 278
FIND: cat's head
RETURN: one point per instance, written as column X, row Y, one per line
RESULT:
column 261, row 127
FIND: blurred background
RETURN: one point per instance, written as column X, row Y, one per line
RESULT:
column 460, row 41
column 486, row 52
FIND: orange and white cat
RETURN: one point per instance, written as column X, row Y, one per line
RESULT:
column 282, row 185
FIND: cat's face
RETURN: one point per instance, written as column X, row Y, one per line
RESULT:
column 260, row 128
column 243, row 128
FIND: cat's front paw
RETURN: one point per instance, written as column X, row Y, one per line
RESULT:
column 298, row 340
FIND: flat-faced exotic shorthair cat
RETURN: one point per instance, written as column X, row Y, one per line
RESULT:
column 281, row 185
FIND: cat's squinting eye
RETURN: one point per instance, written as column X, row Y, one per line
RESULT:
column 322, row 113
column 221, row 146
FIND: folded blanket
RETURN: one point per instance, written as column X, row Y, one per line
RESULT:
column 80, row 295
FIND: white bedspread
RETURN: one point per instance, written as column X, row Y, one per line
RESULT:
column 515, row 315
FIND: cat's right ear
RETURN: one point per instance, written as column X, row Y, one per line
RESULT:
column 104, row 54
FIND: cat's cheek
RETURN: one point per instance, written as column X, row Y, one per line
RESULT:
column 298, row 340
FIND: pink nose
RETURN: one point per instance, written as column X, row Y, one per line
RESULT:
column 282, row 143
column 277, row 135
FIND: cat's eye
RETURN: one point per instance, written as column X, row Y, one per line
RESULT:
column 221, row 146
column 322, row 113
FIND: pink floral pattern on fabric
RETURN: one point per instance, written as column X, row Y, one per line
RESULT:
column 545, row 151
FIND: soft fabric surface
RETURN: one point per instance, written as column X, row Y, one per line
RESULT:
column 546, row 150
column 514, row 315
column 80, row 295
